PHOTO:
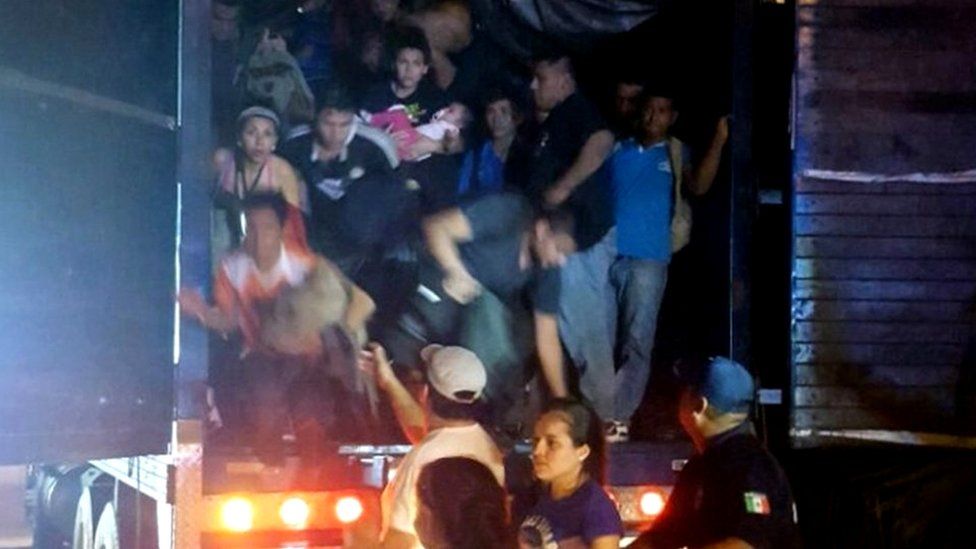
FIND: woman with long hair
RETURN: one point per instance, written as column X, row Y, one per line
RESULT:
column 568, row 460
column 253, row 167
column 461, row 506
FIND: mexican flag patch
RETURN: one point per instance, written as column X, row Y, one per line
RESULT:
column 756, row 503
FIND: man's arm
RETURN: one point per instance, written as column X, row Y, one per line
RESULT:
column 408, row 411
column 442, row 234
column 213, row 318
column 361, row 307
column 606, row 542
column 550, row 353
column 395, row 539
column 588, row 161
column 222, row 317
column 700, row 179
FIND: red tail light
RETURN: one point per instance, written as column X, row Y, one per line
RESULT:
column 651, row 503
column 348, row 509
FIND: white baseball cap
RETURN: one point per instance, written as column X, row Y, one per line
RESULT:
column 454, row 372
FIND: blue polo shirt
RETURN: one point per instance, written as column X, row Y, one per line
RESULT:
column 642, row 199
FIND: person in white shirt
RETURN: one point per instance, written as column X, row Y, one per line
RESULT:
column 444, row 426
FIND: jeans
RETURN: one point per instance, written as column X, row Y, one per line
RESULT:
column 283, row 390
column 503, row 338
column 586, row 321
column 639, row 287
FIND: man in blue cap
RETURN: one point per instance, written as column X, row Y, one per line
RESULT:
column 732, row 493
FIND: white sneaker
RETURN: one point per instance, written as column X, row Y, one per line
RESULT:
column 618, row 431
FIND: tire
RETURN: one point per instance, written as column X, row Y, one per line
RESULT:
column 46, row 536
column 107, row 533
column 83, row 536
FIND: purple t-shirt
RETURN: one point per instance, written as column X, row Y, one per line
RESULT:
column 571, row 522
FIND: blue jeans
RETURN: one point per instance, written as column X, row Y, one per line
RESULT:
column 586, row 321
column 638, row 285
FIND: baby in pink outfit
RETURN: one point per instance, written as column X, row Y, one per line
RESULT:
column 449, row 120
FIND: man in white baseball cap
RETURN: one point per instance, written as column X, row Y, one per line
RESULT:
column 444, row 426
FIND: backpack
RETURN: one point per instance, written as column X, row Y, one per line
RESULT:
column 274, row 77
column 681, row 212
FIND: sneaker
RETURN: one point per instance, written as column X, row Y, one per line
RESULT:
column 618, row 431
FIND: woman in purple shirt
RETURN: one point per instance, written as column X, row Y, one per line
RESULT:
column 567, row 457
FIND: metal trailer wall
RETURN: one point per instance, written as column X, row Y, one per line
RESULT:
column 87, row 221
column 884, row 267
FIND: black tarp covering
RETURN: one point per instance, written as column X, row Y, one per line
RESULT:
column 526, row 27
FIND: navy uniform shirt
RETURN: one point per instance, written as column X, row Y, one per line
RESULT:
column 735, row 489
column 546, row 151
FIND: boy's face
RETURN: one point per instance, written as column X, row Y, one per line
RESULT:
column 656, row 118
column 263, row 240
column 625, row 99
column 384, row 10
column 411, row 66
column 334, row 127
column 500, row 118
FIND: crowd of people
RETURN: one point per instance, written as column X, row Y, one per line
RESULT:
column 409, row 225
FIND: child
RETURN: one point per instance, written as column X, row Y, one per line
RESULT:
column 447, row 122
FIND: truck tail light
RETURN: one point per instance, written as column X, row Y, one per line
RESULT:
column 651, row 503
column 640, row 504
column 237, row 515
column 294, row 513
column 348, row 509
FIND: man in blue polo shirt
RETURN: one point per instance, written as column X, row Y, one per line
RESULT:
column 642, row 173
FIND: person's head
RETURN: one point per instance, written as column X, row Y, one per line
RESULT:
column 552, row 239
column 224, row 15
column 716, row 396
column 568, row 443
column 371, row 51
column 626, row 98
column 411, row 57
column 384, row 10
column 456, row 114
column 264, row 215
column 460, row 504
column 502, row 115
column 257, row 133
column 335, row 119
column 455, row 380
column 657, row 115
column 553, row 81
column 447, row 25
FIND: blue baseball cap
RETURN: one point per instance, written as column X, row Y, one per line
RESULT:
column 726, row 384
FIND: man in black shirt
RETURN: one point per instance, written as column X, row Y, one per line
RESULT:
column 559, row 165
column 732, row 493
column 362, row 213
column 353, row 192
column 492, row 283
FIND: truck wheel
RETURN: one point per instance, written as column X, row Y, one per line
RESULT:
column 107, row 533
column 46, row 536
column 84, row 531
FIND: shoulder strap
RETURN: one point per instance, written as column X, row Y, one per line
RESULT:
column 675, row 156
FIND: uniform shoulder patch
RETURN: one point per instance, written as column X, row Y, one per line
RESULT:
column 756, row 503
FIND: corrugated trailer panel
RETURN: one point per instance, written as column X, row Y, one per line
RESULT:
column 884, row 221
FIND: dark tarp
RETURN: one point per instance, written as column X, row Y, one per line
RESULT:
column 526, row 27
